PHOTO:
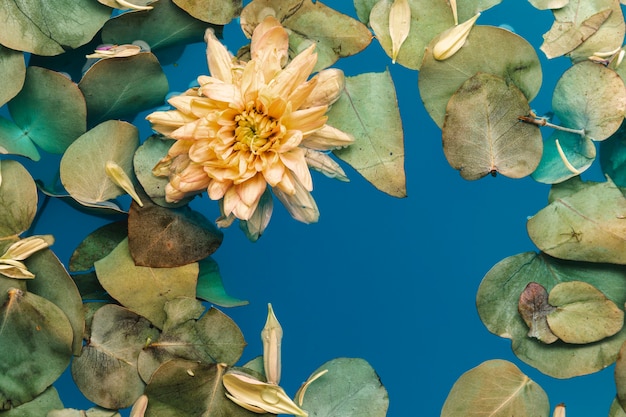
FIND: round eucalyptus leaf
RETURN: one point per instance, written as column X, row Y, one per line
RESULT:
column 350, row 388
column 428, row 19
column 40, row 406
column 211, row 288
column 92, row 412
column 368, row 110
column 13, row 141
column 497, row 304
column 335, row 35
column 482, row 133
column 613, row 157
column 97, row 245
column 583, row 314
column 118, row 88
column 165, row 25
column 592, row 97
column 616, row 409
column 579, row 151
column 585, row 226
column 496, row 388
column 13, row 71
column 32, row 324
column 620, row 381
column 54, row 283
column 82, row 168
column 217, row 12
column 468, row 8
column 50, row 27
column 18, row 198
column 150, row 288
column 52, row 117
column 106, row 372
column 363, row 9
column 517, row 64
column 548, row 4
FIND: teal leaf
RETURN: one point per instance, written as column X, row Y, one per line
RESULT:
column 580, row 152
column 13, row 141
column 210, row 287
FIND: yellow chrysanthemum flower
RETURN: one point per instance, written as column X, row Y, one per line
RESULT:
column 252, row 124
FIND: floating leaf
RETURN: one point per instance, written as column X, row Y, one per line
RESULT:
column 217, row 12
column 368, row 109
column 428, row 19
column 210, row 287
column 363, row 9
column 496, row 388
column 97, row 245
column 119, row 88
column 40, row 406
column 586, row 226
column 14, row 142
column 468, row 8
column 580, row 152
column 616, row 409
column 482, row 133
column 49, row 28
column 592, row 97
column 150, row 288
column 533, row 306
column 613, row 157
column 160, row 237
column 350, row 388
column 106, row 372
column 92, row 412
column 620, row 380
column 32, row 324
column 165, row 25
column 52, row 117
column 517, row 64
column 18, row 198
column 54, row 283
column 497, row 304
column 83, row 164
column 336, row 35
column 13, row 71
column 548, row 4
column 583, row 314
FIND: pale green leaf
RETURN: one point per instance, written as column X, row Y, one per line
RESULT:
column 47, row 401
column 18, row 198
column 217, row 12
column 13, row 72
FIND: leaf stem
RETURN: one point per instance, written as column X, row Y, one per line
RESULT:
column 542, row 121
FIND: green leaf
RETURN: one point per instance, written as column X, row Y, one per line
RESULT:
column 118, row 88
column 591, row 97
column 468, row 8
column 18, row 198
column 497, row 304
column 428, row 19
column 548, row 4
column 165, row 25
column 336, row 35
column 583, row 314
column 350, row 388
column 47, row 401
column 52, row 117
column 580, row 152
column 92, row 412
column 217, row 12
column 517, row 64
column 613, row 157
column 97, row 245
column 150, row 288
column 13, row 72
column 363, row 9
column 586, row 226
column 368, row 110
column 620, row 381
column 160, row 237
column 482, row 133
column 210, row 287
column 32, row 324
column 49, row 28
column 496, row 388
column 83, row 164
column 106, row 372
column 13, row 141
column 616, row 409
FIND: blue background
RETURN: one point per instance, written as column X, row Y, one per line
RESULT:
column 389, row 280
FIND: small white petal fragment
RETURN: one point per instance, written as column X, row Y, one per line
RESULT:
column 302, row 390
column 127, row 5
column 272, row 335
column 10, row 262
column 399, row 25
column 453, row 39
column 119, row 177
column 559, row 410
column 323, row 163
column 115, row 51
column 455, row 12
column 139, row 407
column 566, row 161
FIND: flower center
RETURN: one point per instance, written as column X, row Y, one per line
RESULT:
column 255, row 131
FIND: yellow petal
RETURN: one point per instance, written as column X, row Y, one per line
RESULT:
column 399, row 25
column 23, row 248
column 121, row 179
column 453, row 39
column 300, row 204
column 117, row 51
column 220, row 61
column 139, row 407
column 128, row 5
column 272, row 335
column 303, row 388
column 323, row 163
column 327, row 138
column 328, row 89
column 296, row 162
column 559, row 410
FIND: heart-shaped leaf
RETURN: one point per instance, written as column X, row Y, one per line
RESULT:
column 496, row 388
column 368, row 110
column 482, row 133
column 150, row 288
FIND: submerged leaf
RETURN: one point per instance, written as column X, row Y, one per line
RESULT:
column 368, row 109
column 496, row 388
column 482, row 133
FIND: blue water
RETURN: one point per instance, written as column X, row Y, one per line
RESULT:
column 389, row 280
